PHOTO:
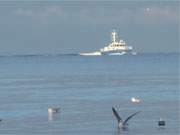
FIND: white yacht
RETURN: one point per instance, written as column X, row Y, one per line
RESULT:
column 114, row 48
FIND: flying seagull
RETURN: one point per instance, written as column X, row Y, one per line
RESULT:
column 121, row 123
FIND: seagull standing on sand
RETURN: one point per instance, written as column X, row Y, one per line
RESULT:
column 53, row 110
column 121, row 123
column 161, row 122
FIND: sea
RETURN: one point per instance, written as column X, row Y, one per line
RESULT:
column 86, row 88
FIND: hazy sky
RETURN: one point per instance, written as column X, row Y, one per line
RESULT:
column 70, row 27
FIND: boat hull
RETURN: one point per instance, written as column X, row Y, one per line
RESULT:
column 118, row 52
column 90, row 54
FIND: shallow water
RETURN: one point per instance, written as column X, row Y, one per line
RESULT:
column 86, row 88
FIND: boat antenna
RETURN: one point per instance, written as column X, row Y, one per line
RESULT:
column 113, row 34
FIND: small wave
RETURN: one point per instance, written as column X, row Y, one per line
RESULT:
column 40, row 55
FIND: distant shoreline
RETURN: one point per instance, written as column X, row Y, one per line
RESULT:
column 77, row 54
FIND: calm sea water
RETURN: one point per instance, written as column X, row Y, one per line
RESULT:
column 86, row 88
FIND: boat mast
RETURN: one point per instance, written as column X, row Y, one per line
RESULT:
column 114, row 36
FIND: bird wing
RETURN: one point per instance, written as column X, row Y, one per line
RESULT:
column 116, row 114
column 125, row 122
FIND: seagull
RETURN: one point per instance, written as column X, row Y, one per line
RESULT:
column 53, row 110
column 135, row 100
column 121, row 123
column 161, row 122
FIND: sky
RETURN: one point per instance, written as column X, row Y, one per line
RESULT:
column 60, row 27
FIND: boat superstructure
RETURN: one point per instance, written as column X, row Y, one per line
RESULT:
column 116, row 47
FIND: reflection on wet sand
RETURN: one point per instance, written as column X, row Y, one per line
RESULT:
column 53, row 117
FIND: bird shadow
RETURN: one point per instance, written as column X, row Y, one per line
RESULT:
column 53, row 117
column 121, row 131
